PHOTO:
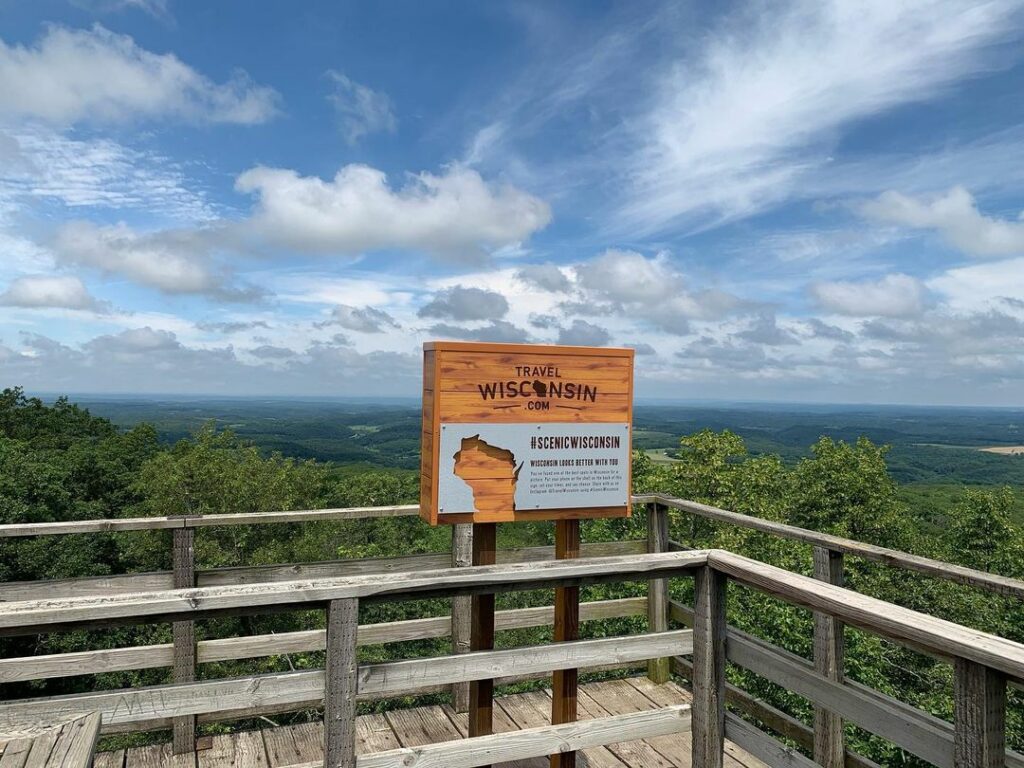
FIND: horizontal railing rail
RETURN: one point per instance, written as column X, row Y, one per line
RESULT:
column 222, row 591
column 35, row 616
column 1001, row 585
column 116, row 524
column 982, row 662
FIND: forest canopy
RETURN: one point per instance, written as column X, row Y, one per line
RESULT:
column 58, row 462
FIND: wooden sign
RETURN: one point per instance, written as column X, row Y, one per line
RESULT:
column 525, row 432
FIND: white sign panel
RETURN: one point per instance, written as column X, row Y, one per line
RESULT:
column 487, row 466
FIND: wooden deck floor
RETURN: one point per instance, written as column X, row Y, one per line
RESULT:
column 272, row 747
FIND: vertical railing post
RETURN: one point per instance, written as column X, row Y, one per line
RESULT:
column 708, row 716
column 658, row 670
column 183, row 563
column 979, row 702
column 462, row 556
column 340, row 685
column 829, row 743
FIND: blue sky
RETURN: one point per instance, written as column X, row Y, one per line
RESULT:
column 806, row 201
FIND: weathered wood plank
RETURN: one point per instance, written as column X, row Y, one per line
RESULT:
column 762, row 746
column 876, row 616
column 374, row 734
column 42, row 745
column 481, row 632
column 534, row 742
column 979, row 705
column 657, row 590
column 421, row 726
column 991, row 582
column 829, row 740
column 112, row 759
column 462, row 557
column 16, row 530
column 15, row 753
column 565, row 682
column 291, row 744
column 184, row 635
column 234, row 750
column 631, row 750
column 327, row 569
column 391, row 677
column 47, row 615
column 77, row 743
column 251, row 646
column 709, row 668
column 341, row 685
column 922, row 737
column 157, row 756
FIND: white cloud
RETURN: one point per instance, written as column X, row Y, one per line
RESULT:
column 895, row 295
column 45, row 165
column 955, row 217
column 653, row 289
column 740, row 125
column 455, row 214
column 979, row 287
column 584, row 334
column 462, row 303
column 174, row 262
column 49, row 291
column 95, row 75
column 547, row 277
column 361, row 110
column 362, row 319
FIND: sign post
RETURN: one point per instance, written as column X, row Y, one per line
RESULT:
column 519, row 432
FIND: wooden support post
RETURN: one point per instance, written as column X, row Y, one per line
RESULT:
column 979, row 700
column 481, row 692
column 183, row 633
column 340, row 685
column 658, row 670
column 462, row 556
column 708, row 722
column 829, row 743
column 564, row 682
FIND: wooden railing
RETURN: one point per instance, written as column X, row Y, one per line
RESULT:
column 983, row 663
column 980, row 679
column 819, row 680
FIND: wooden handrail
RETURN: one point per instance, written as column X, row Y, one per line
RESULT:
column 908, row 627
column 1002, row 585
column 113, row 525
column 34, row 616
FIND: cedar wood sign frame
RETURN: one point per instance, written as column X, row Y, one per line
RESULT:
column 453, row 373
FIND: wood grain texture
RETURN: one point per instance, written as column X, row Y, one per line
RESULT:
column 341, row 685
column 564, row 682
column 533, row 742
column 1002, row 585
column 481, row 632
column 778, row 721
column 658, row 670
column 252, row 646
column 462, row 557
column 892, row 621
column 466, row 382
column 979, row 705
column 709, row 668
column 30, row 617
column 184, row 635
column 829, row 645
column 762, row 746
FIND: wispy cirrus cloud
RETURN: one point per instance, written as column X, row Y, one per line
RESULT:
column 735, row 128
column 360, row 109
